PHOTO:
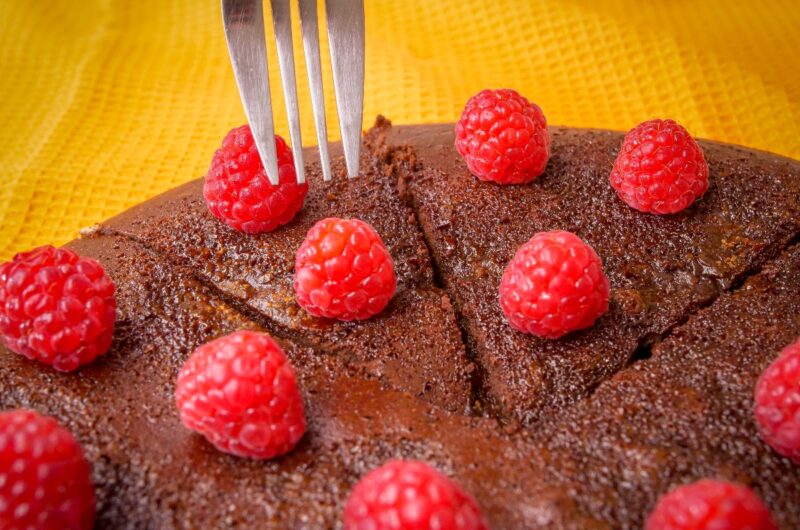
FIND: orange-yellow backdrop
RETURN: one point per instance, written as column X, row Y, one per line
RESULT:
column 104, row 103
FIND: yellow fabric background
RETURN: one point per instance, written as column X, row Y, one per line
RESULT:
column 104, row 103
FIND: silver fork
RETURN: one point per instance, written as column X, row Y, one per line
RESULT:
column 244, row 31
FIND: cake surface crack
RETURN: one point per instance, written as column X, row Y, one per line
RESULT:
column 663, row 269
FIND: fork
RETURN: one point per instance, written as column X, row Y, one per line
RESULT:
column 244, row 31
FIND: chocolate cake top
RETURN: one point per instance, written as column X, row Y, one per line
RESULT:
column 152, row 472
column 661, row 268
column 687, row 412
column 414, row 345
column 616, row 443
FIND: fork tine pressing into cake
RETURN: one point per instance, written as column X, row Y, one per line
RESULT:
column 244, row 32
column 282, row 21
column 310, row 30
column 346, row 39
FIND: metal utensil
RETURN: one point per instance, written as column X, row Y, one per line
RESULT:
column 244, row 31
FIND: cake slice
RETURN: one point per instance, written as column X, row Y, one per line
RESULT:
column 687, row 412
column 151, row 472
column 414, row 345
column 661, row 268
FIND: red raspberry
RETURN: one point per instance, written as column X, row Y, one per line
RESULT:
column 238, row 192
column 777, row 399
column 660, row 168
column 239, row 391
column 710, row 505
column 45, row 481
column 503, row 137
column 553, row 285
column 343, row 271
column 56, row 307
column 410, row 495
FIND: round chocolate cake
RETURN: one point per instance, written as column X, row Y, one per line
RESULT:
column 583, row 432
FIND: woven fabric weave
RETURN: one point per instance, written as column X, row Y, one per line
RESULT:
column 108, row 102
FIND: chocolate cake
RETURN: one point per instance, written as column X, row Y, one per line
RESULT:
column 656, row 394
column 151, row 472
column 687, row 412
column 255, row 274
column 661, row 268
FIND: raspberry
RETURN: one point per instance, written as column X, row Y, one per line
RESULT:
column 710, row 505
column 45, row 481
column 238, row 192
column 56, row 307
column 239, row 391
column 407, row 494
column 553, row 285
column 503, row 137
column 343, row 271
column 777, row 399
column 660, row 168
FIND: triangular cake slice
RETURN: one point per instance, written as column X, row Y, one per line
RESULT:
column 687, row 413
column 414, row 345
column 151, row 472
column 661, row 268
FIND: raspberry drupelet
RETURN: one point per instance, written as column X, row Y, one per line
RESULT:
column 238, row 192
column 45, row 481
column 710, row 505
column 777, row 398
column 503, row 137
column 239, row 391
column 56, row 307
column 660, row 168
column 554, row 284
column 343, row 271
column 409, row 494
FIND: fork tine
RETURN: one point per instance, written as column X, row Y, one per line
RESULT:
column 244, row 31
column 281, row 19
column 310, row 30
column 346, row 38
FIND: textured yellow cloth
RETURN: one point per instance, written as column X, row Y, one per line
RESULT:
column 104, row 103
